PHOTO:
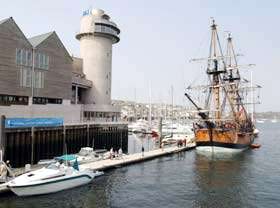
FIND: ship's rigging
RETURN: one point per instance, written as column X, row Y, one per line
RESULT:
column 225, row 94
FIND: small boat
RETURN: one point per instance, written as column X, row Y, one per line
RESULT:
column 177, row 138
column 256, row 132
column 51, row 179
column 176, row 128
column 140, row 126
column 255, row 146
column 85, row 155
column 274, row 120
column 260, row 121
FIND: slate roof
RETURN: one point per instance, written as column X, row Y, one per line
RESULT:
column 36, row 40
column 4, row 20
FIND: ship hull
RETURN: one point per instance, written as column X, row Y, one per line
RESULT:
column 220, row 147
column 222, row 141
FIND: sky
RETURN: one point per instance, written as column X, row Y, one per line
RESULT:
column 159, row 37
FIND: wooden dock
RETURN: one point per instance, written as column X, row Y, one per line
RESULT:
column 135, row 158
column 116, row 162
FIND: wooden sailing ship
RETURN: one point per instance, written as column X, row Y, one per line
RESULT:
column 223, row 124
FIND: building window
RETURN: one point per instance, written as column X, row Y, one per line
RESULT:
column 37, row 60
column 25, row 77
column 23, row 57
column 103, row 28
column 39, row 79
column 41, row 61
column 13, row 100
column 46, row 63
column 44, row 100
column 29, row 58
column 18, row 56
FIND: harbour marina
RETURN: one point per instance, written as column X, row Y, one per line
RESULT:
column 127, row 186
column 124, row 118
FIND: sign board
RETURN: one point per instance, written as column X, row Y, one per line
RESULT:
column 33, row 122
column 86, row 12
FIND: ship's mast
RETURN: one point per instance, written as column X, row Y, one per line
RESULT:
column 224, row 78
column 232, row 76
column 213, row 71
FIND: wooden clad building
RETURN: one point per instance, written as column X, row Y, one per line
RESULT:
column 38, row 78
column 56, row 71
column 46, row 55
column 11, row 38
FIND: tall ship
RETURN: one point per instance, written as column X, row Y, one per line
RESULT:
column 223, row 123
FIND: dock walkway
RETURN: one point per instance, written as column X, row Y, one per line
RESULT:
column 135, row 158
column 118, row 162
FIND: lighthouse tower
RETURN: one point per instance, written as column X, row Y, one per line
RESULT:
column 97, row 35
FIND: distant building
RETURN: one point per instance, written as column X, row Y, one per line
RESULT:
column 39, row 78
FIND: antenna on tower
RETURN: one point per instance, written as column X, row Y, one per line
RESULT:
column 212, row 20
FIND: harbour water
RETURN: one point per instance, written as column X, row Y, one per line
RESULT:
column 187, row 179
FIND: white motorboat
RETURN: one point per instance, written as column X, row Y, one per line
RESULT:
column 274, row 120
column 50, row 179
column 176, row 128
column 175, row 138
column 85, row 155
column 140, row 126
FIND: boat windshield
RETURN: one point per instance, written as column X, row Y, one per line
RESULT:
column 85, row 152
column 53, row 166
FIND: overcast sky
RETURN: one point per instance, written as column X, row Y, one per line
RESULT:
column 158, row 37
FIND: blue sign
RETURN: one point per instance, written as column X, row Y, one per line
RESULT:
column 33, row 122
column 86, row 12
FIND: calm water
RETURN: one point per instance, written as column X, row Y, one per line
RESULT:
column 251, row 179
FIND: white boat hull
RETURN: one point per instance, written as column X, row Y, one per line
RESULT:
column 219, row 150
column 51, row 186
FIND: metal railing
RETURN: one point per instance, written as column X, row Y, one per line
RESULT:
column 106, row 29
column 78, row 80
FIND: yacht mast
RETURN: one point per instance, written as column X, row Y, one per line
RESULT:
column 172, row 113
column 252, row 97
column 150, row 106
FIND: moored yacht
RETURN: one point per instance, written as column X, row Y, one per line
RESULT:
column 51, row 179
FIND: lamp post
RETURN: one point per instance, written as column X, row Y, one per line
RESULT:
column 32, row 74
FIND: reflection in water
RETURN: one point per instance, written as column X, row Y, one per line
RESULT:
column 187, row 179
column 221, row 181
column 77, row 197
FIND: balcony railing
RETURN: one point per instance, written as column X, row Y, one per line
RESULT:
column 78, row 80
column 102, row 28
